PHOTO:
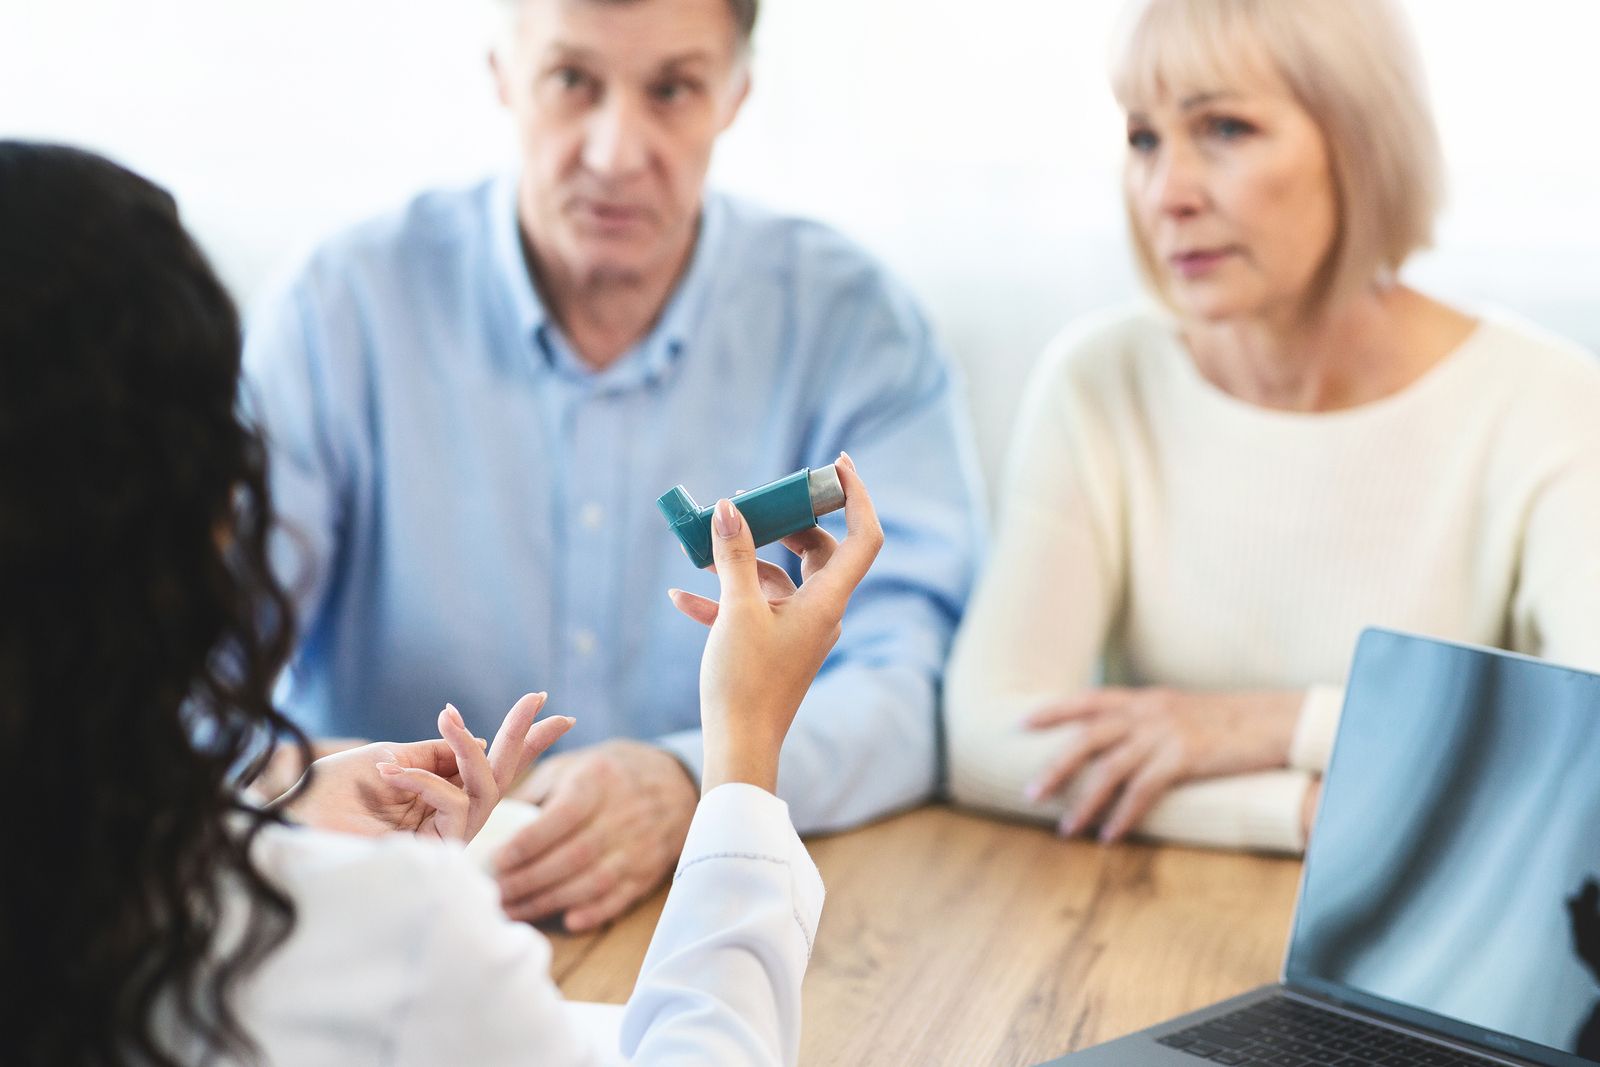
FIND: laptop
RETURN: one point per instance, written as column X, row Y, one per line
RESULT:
column 1449, row 909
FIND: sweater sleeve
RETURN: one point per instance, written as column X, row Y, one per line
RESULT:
column 1313, row 734
column 1554, row 609
column 1038, row 621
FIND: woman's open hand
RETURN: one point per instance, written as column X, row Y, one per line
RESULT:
column 442, row 788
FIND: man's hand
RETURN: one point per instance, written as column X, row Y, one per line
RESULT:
column 1132, row 745
column 612, row 824
column 442, row 788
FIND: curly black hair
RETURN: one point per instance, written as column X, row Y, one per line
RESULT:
column 141, row 628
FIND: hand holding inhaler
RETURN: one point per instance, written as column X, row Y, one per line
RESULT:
column 768, row 638
column 787, row 506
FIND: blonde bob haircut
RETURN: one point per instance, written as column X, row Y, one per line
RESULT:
column 1352, row 66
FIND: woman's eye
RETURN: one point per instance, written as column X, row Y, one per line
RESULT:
column 1141, row 140
column 1229, row 129
column 571, row 78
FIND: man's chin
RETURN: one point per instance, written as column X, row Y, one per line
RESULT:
column 613, row 263
column 610, row 274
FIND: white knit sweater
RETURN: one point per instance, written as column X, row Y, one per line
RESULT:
column 1176, row 536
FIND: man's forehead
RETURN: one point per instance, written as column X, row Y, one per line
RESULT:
column 660, row 31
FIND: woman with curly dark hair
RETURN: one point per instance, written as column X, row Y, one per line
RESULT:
column 152, row 914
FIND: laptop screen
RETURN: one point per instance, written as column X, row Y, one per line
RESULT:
column 1454, row 871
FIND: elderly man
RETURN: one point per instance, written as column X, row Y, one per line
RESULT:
column 474, row 403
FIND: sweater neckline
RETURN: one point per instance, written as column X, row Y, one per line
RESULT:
column 1419, row 391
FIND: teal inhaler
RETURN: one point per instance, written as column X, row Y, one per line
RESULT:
column 774, row 511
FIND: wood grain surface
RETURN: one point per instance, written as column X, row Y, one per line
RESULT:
column 949, row 938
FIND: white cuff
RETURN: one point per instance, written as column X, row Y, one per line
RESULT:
column 1313, row 734
column 741, row 822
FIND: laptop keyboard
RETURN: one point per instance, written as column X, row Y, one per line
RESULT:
column 1280, row 1032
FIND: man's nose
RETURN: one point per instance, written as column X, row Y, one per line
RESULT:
column 617, row 141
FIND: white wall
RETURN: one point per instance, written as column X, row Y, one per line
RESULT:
column 975, row 146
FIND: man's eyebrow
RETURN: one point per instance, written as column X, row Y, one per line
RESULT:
column 684, row 59
column 561, row 51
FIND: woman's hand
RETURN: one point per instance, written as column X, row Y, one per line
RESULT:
column 443, row 788
column 1132, row 745
column 768, row 638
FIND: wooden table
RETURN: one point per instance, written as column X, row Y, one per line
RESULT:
column 953, row 939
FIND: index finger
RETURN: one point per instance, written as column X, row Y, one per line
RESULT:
column 863, row 538
column 505, row 754
column 477, row 777
column 434, row 756
column 1078, row 706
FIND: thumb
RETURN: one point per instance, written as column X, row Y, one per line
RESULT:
column 734, row 552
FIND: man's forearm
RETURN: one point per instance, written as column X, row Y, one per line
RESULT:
column 863, row 745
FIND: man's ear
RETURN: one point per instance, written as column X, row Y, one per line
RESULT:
column 497, row 70
column 740, row 93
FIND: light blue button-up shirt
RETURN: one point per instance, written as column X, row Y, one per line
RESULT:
column 472, row 508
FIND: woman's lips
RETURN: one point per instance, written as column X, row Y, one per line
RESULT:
column 1198, row 262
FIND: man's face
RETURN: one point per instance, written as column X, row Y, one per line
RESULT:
column 617, row 107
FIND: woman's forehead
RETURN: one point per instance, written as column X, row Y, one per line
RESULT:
column 1170, row 60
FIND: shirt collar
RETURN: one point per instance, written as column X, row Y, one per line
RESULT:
column 657, row 353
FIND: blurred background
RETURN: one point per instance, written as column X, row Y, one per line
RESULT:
column 975, row 147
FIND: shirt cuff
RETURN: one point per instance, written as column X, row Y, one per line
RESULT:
column 688, row 748
column 741, row 822
column 1246, row 811
column 1313, row 734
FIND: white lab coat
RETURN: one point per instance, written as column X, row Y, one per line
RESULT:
column 401, row 955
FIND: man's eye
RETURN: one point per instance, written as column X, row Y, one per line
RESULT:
column 1142, row 140
column 670, row 92
column 571, row 78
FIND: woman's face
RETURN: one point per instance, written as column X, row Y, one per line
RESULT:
column 1231, row 190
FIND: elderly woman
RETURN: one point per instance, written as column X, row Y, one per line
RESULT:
column 1207, row 502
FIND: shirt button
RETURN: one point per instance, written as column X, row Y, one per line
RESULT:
column 584, row 641
column 591, row 516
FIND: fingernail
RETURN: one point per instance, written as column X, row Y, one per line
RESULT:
column 844, row 457
column 450, row 709
column 727, row 519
